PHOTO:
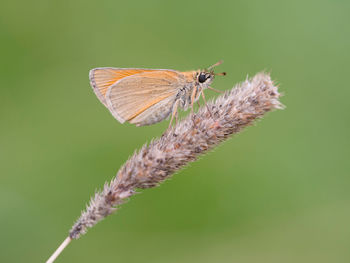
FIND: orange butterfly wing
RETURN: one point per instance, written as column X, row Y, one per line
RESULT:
column 102, row 78
column 144, row 98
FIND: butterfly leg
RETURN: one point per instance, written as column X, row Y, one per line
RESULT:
column 174, row 113
column 193, row 95
column 176, row 117
column 205, row 102
column 218, row 91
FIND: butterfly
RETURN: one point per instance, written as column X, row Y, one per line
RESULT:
column 147, row 96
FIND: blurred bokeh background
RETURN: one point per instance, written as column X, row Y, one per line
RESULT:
column 277, row 192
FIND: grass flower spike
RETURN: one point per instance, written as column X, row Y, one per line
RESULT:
column 184, row 143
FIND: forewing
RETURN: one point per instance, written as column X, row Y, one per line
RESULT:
column 102, row 78
column 133, row 95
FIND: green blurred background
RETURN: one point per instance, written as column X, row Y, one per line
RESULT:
column 278, row 192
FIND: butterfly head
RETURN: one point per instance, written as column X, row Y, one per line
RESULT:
column 205, row 77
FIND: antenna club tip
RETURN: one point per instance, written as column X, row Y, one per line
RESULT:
column 220, row 74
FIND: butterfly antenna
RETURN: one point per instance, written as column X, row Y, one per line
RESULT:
column 220, row 74
column 215, row 65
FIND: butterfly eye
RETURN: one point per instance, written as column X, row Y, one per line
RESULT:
column 202, row 78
